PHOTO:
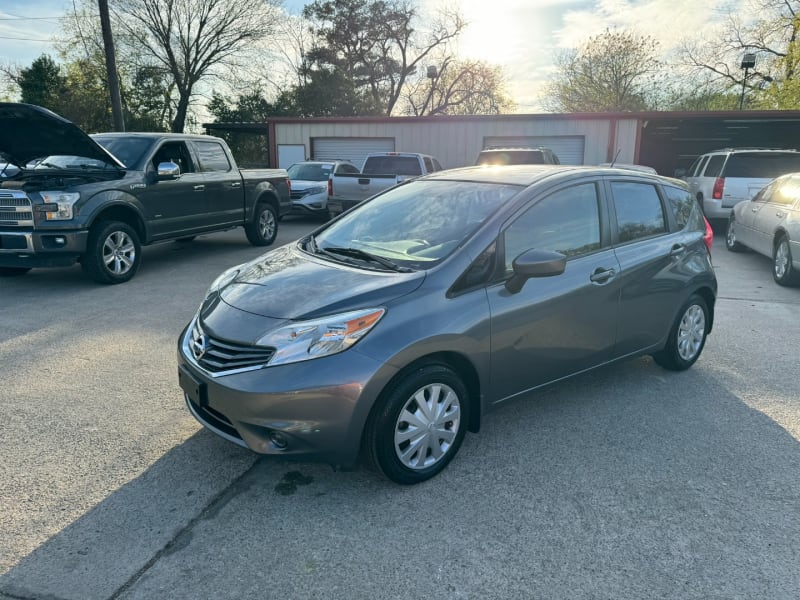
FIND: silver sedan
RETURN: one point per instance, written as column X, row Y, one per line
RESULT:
column 770, row 225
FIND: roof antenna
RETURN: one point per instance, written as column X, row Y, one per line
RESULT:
column 616, row 156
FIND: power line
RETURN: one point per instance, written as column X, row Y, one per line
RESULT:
column 3, row 37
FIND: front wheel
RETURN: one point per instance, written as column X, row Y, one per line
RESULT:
column 783, row 270
column 687, row 337
column 730, row 237
column 419, row 425
column 13, row 271
column 113, row 253
column 263, row 229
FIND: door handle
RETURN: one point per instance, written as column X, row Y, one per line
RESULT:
column 677, row 250
column 199, row 188
column 754, row 209
column 602, row 276
column 780, row 214
column 236, row 184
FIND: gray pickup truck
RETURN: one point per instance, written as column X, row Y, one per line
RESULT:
column 97, row 199
column 381, row 171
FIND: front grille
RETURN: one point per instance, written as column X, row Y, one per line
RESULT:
column 298, row 194
column 218, row 356
column 15, row 209
column 215, row 419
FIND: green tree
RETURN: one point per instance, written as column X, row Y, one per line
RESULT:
column 375, row 45
column 42, row 83
column 613, row 71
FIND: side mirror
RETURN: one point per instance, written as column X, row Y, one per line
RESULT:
column 168, row 170
column 535, row 263
column 679, row 173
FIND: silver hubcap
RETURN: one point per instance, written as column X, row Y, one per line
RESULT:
column 427, row 426
column 119, row 253
column 266, row 224
column 691, row 332
column 781, row 259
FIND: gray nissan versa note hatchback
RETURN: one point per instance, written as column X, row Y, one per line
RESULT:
column 392, row 330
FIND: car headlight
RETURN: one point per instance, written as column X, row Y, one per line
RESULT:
column 58, row 205
column 304, row 340
column 316, row 190
column 224, row 279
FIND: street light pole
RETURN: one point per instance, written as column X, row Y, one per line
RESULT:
column 748, row 62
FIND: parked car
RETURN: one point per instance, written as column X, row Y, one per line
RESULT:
column 311, row 184
column 517, row 156
column 396, row 327
column 96, row 200
column 381, row 171
column 721, row 179
column 770, row 225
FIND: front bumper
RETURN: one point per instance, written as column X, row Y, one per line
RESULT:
column 33, row 248
column 312, row 410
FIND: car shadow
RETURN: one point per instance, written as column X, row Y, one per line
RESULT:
column 625, row 482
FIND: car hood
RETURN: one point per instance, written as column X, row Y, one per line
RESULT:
column 302, row 184
column 32, row 132
column 289, row 284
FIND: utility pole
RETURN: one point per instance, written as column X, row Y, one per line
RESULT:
column 111, row 66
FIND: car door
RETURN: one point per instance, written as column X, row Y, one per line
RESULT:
column 652, row 260
column 554, row 326
column 173, row 206
column 773, row 212
column 224, row 191
column 747, row 216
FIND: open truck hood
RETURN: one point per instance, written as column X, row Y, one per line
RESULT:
column 28, row 132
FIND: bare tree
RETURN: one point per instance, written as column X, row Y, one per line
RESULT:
column 194, row 38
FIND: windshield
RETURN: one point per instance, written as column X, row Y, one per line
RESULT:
column 129, row 150
column 417, row 224
column 511, row 157
column 68, row 161
column 309, row 172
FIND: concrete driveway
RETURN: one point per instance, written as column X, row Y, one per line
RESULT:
column 628, row 482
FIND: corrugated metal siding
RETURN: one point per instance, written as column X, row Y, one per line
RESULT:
column 568, row 148
column 349, row 148
column 457, row 143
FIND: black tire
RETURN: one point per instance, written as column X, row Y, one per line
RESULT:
column 730, row 237
column 687, row 336
column 13, row 271
column 386, row 430
column 783, row 271
column 113, row 252
column 186, row 240
column 263, row 229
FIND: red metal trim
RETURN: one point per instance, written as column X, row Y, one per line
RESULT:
column 637, row 147
column 611, row 149
column 273, row 145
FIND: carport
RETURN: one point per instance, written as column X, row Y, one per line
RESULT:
column 670, row 141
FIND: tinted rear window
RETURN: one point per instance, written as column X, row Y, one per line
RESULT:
column 511, row 157
column 392, row 165
column 767, row 166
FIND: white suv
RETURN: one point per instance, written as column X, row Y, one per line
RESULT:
column 721, row 179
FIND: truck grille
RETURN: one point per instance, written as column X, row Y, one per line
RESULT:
column 219, row 357
column 15, row 209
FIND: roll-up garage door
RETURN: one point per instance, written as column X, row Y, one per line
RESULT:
column 569, row 148
column 352, row 149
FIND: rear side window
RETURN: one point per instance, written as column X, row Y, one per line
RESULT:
column 714, row 166
column 639, row 211
column 212, row 157
column 762, row 165
column 684, row 208
column 343, row 168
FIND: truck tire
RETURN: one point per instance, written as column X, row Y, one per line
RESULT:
column 263, row 229
column 13, row 271
column 113, row 252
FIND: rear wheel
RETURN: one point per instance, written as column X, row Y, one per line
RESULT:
column 687, row 336
column 13, row 271
column 419, row 425
column 113, row 252
column 730, row 237
column 263, row 229
column 783, row 270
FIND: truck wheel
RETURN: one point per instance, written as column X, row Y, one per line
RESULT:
column 113, row 253
column 13, row 271
column 263, row 229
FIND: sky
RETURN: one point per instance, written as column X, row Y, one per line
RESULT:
column 523, row 36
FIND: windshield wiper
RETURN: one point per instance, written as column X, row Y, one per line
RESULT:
column 363, row 255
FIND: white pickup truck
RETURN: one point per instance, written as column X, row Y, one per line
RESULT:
column 381, row 171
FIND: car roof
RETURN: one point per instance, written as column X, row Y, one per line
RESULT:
column 526, row 175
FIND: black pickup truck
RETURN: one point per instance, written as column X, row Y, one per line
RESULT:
column 97, row 199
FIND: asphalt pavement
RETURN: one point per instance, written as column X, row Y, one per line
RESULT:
column 626, row 482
